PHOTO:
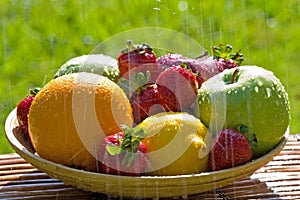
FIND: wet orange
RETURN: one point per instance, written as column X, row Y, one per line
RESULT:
column 70, row 116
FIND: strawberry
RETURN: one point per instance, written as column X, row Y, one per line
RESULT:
column 224, row 59
column 230, row 149
column 205, row 66
column 23, row 110
column 138, row 58
column 177, row 87
column 170, row 60
column 123, row 153
column 145, row 102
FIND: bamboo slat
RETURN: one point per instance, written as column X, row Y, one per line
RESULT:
column 279, row 179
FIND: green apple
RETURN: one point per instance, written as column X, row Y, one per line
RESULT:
column 250, row 99
column 93, row 63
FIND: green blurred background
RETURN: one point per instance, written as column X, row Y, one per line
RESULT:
column 36, row 37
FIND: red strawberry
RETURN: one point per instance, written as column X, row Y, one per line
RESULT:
column 170, row 60
column 177, row 87
column 23, row 110
column 230, row 149
column 145, row 102
column 138, row 58
column 205, row 66
column 123, row 153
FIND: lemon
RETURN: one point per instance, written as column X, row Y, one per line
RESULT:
column 178, row 144
column 71, row 115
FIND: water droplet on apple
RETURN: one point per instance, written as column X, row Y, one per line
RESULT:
column 273, row 88
column 243, row 88
column 259, row 83
column 256, row 89
column 268, row 90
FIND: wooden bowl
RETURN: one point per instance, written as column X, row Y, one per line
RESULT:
column 143, row 186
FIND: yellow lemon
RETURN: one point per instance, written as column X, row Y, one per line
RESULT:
column 178, row 144
column 71, row 115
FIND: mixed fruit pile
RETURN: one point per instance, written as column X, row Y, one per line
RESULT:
column 166, row 115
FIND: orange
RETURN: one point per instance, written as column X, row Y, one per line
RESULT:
column 70, row 116
column 178, row 144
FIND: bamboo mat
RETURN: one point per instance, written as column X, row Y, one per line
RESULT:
column 279, row 179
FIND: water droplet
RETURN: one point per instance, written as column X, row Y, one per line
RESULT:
column 183, row 6
column 259, row 83
column 256, row 89
column 243, row 88
column 271, row 22
column 184, row 196
column 87, row 40
column 268, row 90
column 229, row 92
column 157, row 9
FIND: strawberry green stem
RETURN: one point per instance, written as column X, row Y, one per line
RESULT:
column 34, row 91
column 130, row 45
column 130, row 144
column 226, row 53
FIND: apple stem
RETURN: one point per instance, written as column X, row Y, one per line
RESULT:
column 234, row 75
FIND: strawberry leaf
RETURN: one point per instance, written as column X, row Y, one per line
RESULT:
column 139, row 133
column 34, row 91
column 131, row 143
column 113, row 150
column 128, row 159
column 135, row 82
column 251, row 137
column 225, row 53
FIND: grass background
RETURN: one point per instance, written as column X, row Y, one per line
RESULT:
column 36, row 37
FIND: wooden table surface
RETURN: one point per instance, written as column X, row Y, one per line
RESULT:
column 279, row 179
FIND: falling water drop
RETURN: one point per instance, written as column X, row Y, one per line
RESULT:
column 256, row 89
